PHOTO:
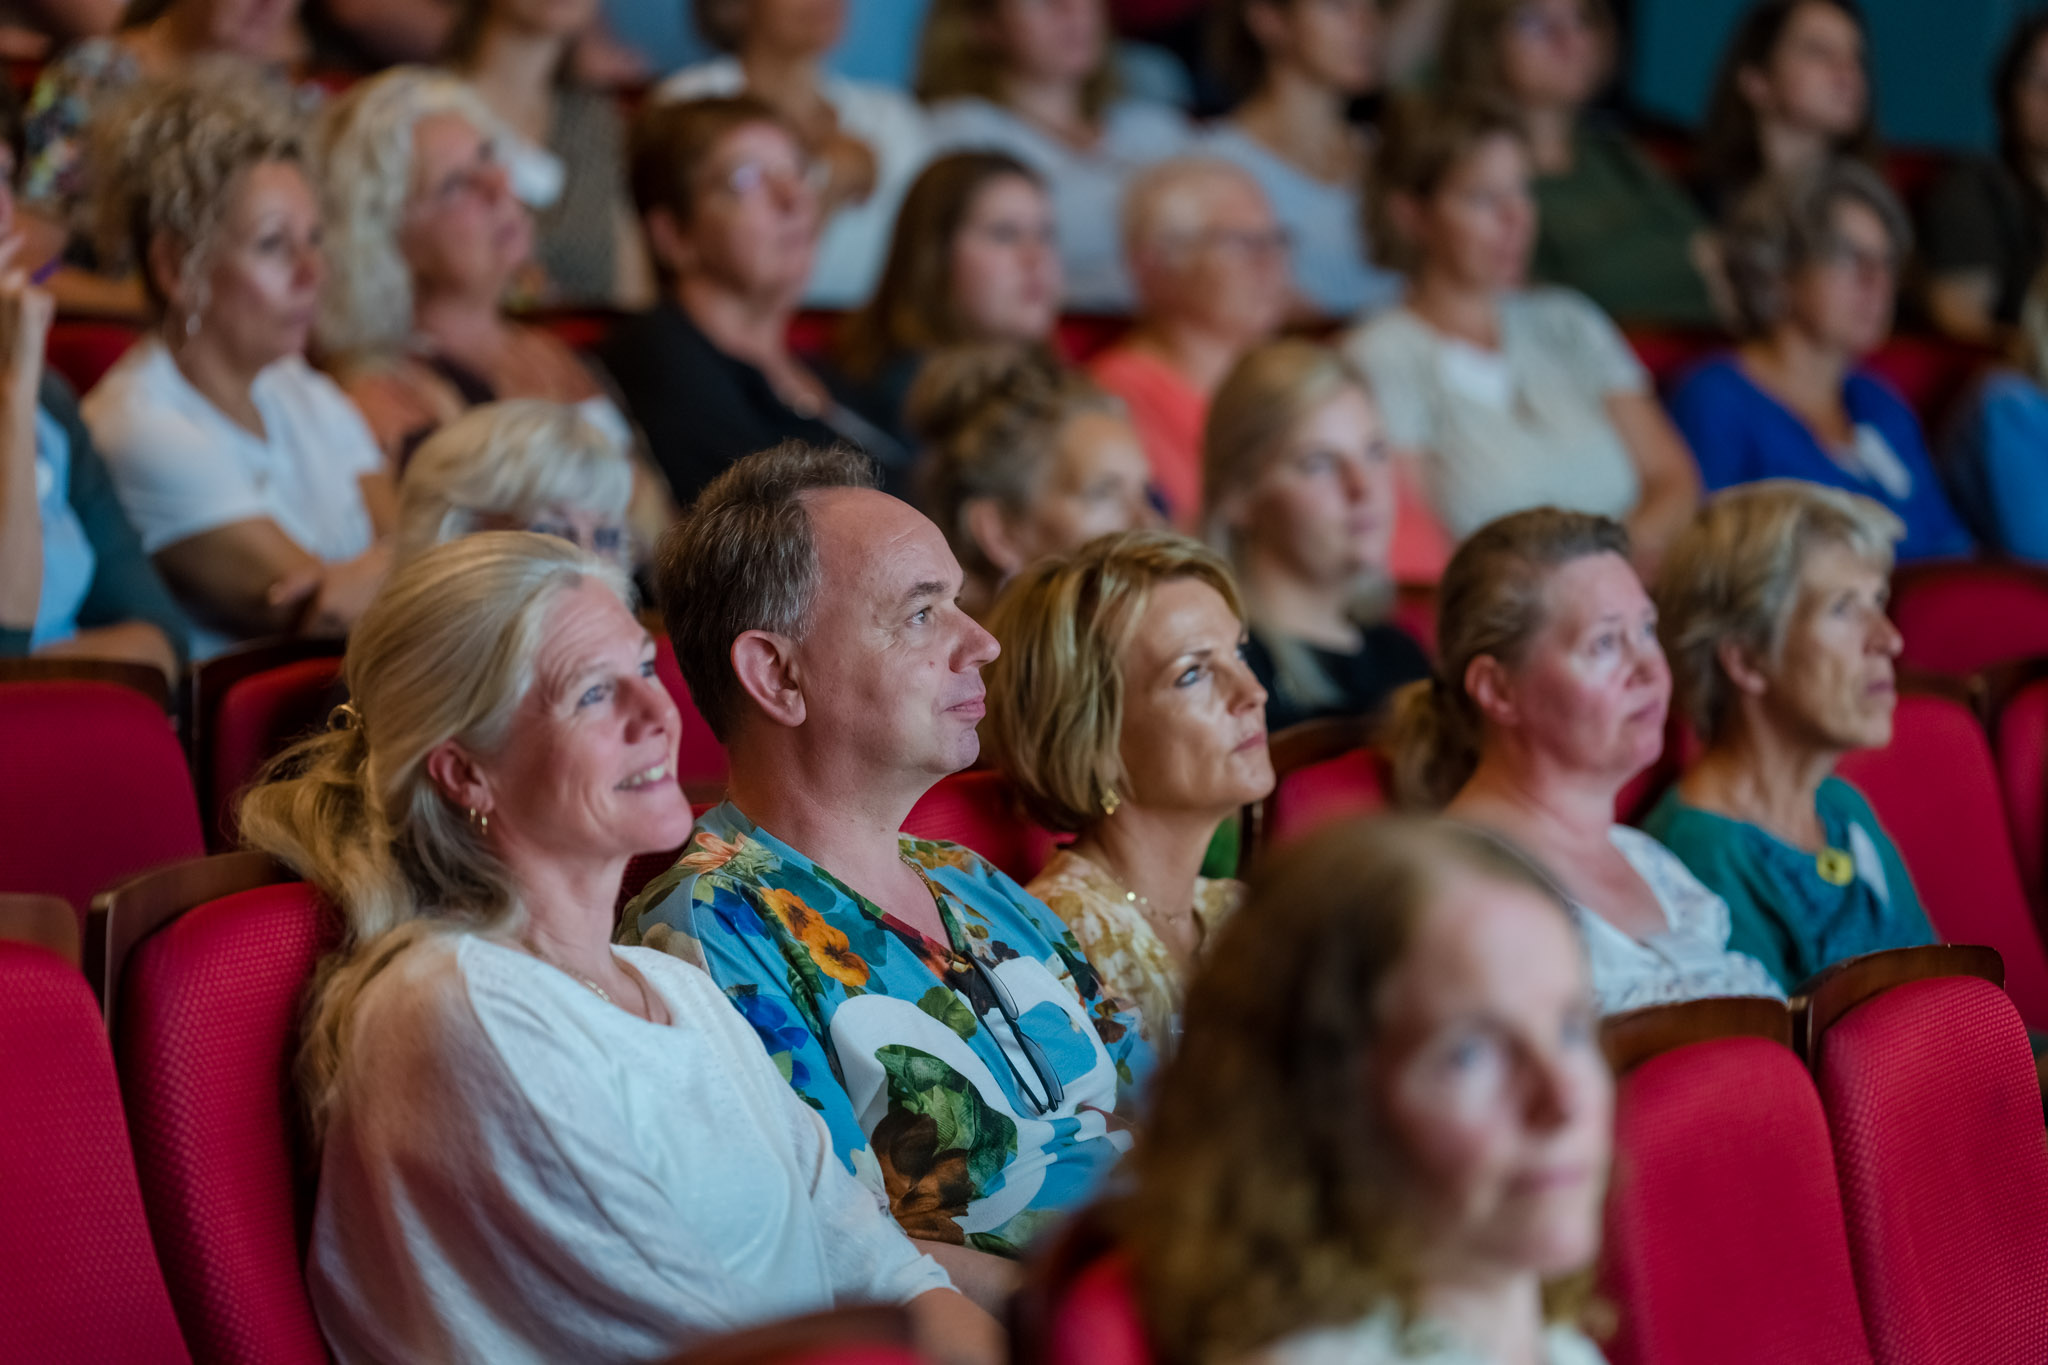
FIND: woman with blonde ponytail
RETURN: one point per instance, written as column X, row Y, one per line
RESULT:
column 535, row 1146
column 1549, row 695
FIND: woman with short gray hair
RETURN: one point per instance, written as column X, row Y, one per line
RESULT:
column 1772, row 611
column 1813, row 266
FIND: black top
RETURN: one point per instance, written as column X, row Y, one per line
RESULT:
column 1387, row 659
column 702, row 409
column 1981, row 217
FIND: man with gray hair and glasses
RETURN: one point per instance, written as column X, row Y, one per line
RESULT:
column 944, row 1022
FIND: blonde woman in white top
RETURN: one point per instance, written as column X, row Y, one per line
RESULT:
column 1549, row 696
column 1499, row 396
column 536, row 1147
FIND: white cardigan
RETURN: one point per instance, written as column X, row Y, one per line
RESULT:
column 517, row 1171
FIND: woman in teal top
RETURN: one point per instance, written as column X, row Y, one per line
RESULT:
column 1772, row 607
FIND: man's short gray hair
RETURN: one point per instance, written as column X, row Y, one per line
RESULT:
column 745, row 557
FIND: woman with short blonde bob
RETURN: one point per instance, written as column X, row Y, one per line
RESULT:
column 1385, row 1136
column 535, row 1146
column 1549, row 696
column 1302, row 496
column 1022, row 458
column 518, row 465
column 1123, row 710
column 1773, row 612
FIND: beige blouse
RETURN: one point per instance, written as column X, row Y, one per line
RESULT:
column 1119, row 942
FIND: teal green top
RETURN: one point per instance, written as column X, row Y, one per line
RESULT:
column 1783, row 912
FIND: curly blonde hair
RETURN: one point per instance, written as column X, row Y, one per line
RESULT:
column 365, row 148
column 170, row 154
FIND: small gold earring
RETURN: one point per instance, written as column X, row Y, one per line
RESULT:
column 1110, row 800
column 481, row 822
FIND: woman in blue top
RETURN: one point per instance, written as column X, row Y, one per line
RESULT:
column 1813, row 267
column 1772, row 607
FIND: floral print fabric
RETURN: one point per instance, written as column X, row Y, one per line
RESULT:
column 903, row 1044
column 1119, row 941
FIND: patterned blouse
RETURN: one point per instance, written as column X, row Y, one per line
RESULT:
column 1690, row 960
column 66, row 95
column 980, row 1085
column 1119, row 941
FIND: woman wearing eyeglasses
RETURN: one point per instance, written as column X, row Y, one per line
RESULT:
column 729, row 202
column 1813, row 263
column 1209, row 262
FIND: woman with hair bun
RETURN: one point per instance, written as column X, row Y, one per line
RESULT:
column 1549, row 695
column 536, row 1146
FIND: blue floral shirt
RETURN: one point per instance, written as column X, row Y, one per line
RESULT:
column 976, row 1084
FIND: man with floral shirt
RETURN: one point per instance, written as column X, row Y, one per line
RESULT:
column 943, row 1022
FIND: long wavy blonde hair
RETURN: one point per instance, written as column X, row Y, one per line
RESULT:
column 446, row 652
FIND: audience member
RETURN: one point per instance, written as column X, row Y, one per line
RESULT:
column 74, row 580
column 975, row 258
column 944, row 1023
column 1022, row 458
column 1549, row 695
column 728, row 200
column 252, row 480
column 1298, row 65
column 868, row 140
column 1609, row 222
column 535, row 1146
column 563, row 144
column 1813, row 263
column 1209, row 265
column 1500, row 396
column 1772, row 608
column 1124, row 712
column 1991, row 458
column 1301, row 495
column 1793, row 92
column 1987, row 221
column 519, row 465
column 1385, row 1137
column 157, row 39
column 426, row 237
column 1035, row 78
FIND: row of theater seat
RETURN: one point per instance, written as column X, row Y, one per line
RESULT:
column 1880, row 1195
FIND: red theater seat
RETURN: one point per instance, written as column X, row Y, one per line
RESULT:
column 700, row 759
column 2021, row 742
column 1960, row 617
column 83, row 349
column 248, row 705
column 1937, row 791
column 1077, row 1305
column 1724, row 1195
column 1324, row 771
column 93, row 788
column 1936, row 1115
column 206, row 1035
column 1929, row 372
column 78, row 1276
column 977, row 809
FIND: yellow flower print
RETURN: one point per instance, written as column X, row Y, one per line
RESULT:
column 827, row 946
column 789, row 907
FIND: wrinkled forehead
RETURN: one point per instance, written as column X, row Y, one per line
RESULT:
column 875, row 551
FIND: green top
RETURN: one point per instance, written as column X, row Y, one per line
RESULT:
column 1783, row 911
column 1616, row 228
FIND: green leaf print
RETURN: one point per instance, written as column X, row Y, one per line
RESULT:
column 946, row 1007
column 922, row 1084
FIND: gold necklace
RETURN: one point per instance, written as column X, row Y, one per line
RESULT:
column 577, row 977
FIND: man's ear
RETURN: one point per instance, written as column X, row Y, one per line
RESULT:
column 465, row 784
column 1492, row 691
column 765, row 664
column 985, row 522
column 666, row 240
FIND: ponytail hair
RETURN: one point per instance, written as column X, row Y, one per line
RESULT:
column 446, row 652
column 1492, row 601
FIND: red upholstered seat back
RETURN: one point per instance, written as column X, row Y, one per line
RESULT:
column 977, row 810
column 93, row 789
column 78, row 1276
column 2023, row 775
column 700, row 758
column 1936, row 790
column 83, row 349
column 259, row 718
column 1964, row 617
column 1097, row 1322
column 1936, row 1117
column 1356, row 783
column 1724, row 1229
column 208, row 1028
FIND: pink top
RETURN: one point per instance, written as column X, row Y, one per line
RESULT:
column 1168, row 413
